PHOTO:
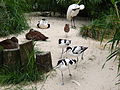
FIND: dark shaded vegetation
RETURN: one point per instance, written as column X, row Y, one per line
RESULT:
column 11, row 17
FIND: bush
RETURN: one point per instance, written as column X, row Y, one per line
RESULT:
column 11, row 18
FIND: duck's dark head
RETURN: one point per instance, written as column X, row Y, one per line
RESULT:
column 14, row 39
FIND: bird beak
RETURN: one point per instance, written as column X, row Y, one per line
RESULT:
column 85, row 48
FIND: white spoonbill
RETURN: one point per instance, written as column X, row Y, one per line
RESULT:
column 72, row 11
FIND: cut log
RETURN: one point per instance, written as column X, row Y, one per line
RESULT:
column 44, row 61
column 26, row 49
column 11, row 58
column 1, row 58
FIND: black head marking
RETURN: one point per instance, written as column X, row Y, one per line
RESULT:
column 70, row 62
column 74, row 60
column 68, row 48
column 60, row 61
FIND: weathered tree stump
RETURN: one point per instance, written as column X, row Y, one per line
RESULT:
column 44, row 61
column 1, row 58
column 26, row 49
column 11, row 58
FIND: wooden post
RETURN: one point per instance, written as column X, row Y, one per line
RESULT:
column 11, row 58
column 44, row 61
column 25, row 50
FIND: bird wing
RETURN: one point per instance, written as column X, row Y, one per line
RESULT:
column 72, row 11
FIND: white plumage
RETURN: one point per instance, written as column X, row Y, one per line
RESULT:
column 73, row 10
column 75, row 51
column 43, row 24
column 63, row 43
column 63, row 64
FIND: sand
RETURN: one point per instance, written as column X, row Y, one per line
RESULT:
column 89, row 74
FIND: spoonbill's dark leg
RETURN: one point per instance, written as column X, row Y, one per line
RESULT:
column 74, row 23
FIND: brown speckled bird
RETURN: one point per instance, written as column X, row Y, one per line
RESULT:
column 66, row 29
column 9, row 43
column 35, row 35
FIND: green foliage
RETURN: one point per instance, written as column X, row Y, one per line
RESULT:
column 104, row 27
column 23, row 74
column 11, row 17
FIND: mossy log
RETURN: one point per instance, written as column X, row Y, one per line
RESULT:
column 26, row 49
column 44, row 61
column 11, row 59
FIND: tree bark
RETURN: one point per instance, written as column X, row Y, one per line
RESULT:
column 11, row 59
column 25, row 50
column 44, row 61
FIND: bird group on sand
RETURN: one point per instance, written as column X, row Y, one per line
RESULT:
column 67, row 50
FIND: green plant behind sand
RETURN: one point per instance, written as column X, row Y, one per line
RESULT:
column 11, row 17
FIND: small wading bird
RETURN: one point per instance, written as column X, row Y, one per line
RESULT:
column 66, row 29
column 75, row 51
column 63, row 43
column 63, row 64
column 72, row 11
column 10, row 43
column 43, row 24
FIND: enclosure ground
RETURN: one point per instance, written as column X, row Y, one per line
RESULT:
column 89, row 75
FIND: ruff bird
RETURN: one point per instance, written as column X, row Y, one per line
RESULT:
column 10, row 43
column 62, row 64
column 66, row 29
column 35, row 35
column 63, row 43
column 72, row 11
column 43, row 24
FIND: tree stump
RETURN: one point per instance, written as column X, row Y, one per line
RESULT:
column 44, row 61
column 1, row 58
column 26, row 49
column 11, row 59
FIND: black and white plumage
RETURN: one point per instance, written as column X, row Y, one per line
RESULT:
column 72, row 11
column 65, row 63
column 43, row 24
column 75, row 51
column 63, row 43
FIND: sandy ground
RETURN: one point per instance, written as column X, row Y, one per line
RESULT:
column 88, row 75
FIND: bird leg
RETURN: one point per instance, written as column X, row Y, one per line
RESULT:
column 82, row 56
column 69, row 72
column 76, row 63
column 74, row 23
column 62, row 78
column 66, row 35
